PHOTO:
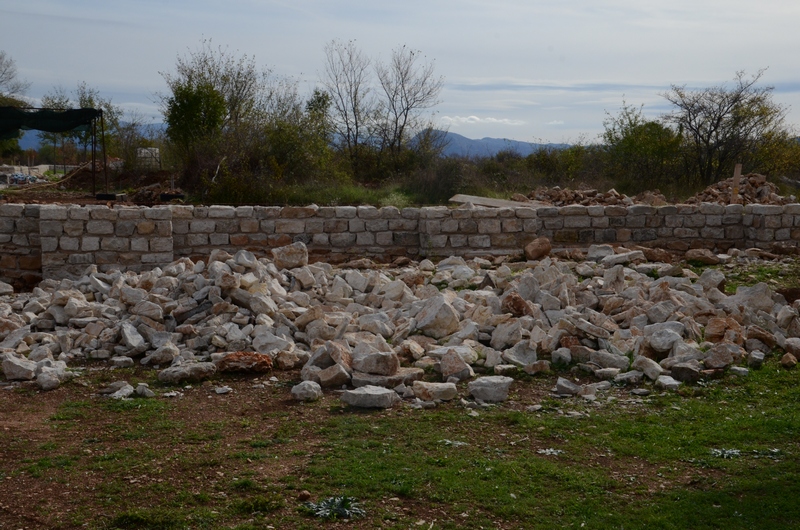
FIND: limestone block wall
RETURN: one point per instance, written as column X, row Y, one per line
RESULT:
column 20, row 249
column 57, row 241
column 499, row 231
column 332, row 233
column 130, row 238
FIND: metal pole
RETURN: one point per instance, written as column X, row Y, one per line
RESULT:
column 105, row 159
column 93, row 130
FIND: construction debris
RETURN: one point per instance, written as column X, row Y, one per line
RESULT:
column 750, row 189
column 558, row 196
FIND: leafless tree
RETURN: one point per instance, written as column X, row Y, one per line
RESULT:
column 11, row 86
column 722, row 125
column 347, row 80
column 409, row 86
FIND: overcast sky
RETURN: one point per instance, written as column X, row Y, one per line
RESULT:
column 531, row 70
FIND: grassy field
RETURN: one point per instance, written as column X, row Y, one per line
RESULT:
column 723, row 454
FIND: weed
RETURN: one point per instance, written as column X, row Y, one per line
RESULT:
column 336, row 508
column 258, row 504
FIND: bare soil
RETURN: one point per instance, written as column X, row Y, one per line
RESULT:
column 68, row 459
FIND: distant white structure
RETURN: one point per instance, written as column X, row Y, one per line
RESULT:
column 148, row 158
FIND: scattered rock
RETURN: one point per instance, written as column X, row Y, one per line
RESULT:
column 307, row 391
column 490, row 389
column 187, row 373
column 538, row 248
column 243, row 361
column 371, row 397
column 434, row 391
column 788, row 361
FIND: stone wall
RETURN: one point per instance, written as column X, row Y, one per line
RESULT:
column 20, row 249
column 131, row 238
column 331, row 233
column 61, row 240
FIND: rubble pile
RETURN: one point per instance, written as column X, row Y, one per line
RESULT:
column 614, row 315
column 154, row 193
column 752, row 189
column 557, row 196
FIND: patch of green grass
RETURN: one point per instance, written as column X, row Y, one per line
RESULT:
column 144, row 407
column 259, row 504
column 777, row 275
column 665, row 438
column 245, row 484
column 71, row 411
column 41, row 466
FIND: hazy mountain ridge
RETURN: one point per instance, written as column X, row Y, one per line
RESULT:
column 457, row 145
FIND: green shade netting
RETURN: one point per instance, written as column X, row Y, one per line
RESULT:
column 13, row 119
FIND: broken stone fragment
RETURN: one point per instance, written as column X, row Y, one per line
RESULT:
column 243, row 361
column 379, row 363
column 649, row 367
column 437, row 318
column 687, row 372
column 452, row 365
column 490, row 389
column 18, row 368
column 307, row 391
column 187, row 373
column 371, row 397
column 702, row 255
column 566, row 387
column 666, row 382
column 291, row 256
column 788, row 361
column 333, row 376
column 542, row 366
column 538, row 249
column 434, row 391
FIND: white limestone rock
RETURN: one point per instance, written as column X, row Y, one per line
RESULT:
column 371, row 397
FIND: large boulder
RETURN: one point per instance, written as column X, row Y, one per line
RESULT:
column 18, row 368
column 491, row 389
column 452, row 365
column 370, row 397
column 437, row 318
column 434, row 391
column 307, row 391
column 187, row 373
column 290, row 256
column 538, row 248
column 243, row 361
column 379, row 363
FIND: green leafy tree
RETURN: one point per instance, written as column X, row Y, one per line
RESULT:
column 194, row 113
column 640, row 153
column 194, row 116
column 724, row 125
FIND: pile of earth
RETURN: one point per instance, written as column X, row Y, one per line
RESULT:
column 749, row 189
column 557, row 196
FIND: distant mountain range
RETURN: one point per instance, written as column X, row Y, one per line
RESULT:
column 457, row 145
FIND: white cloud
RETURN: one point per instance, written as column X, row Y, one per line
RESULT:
column 473, row 120
column 556, row 122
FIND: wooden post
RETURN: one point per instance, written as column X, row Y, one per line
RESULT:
column 737, row 178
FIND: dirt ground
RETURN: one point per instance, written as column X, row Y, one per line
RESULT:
column 138, row 188
column 197, row 444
